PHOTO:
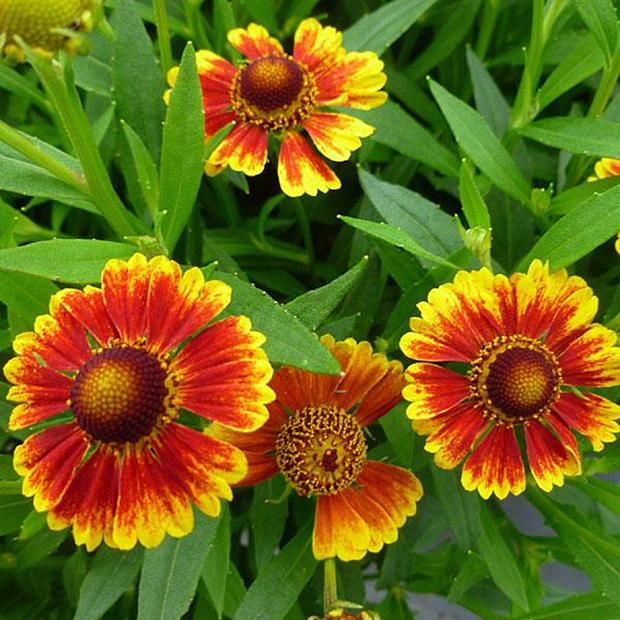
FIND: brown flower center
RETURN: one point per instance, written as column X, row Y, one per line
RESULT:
column 321, row 450
column 515, row 378
column 120, row 394
column 274, row 92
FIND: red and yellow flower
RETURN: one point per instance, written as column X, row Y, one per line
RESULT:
column 603, row 169
column 283, row 95
column 124, row 360
column 524, row 340
column 315, row 438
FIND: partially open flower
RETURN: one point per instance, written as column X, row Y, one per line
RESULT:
column 122, row 365
column 524, row 341
column 315, row 438
column 274, row 93
column 45, row 25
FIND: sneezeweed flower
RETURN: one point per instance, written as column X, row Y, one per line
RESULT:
column 277, row 94
column 528, row 342
column 45, row 25
column 342, row 614
column 603, row 169
column 124, row 360
column 315, row 438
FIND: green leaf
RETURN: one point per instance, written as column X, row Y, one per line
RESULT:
column 111, row 574
column 288, row 340
column 171, row 572
column 93, row 75
column 378, row 30
column 606, row 493
column 39, row 547
column 599, row 557
column 400, row 131
column 13, row 510
column 314, row 307
column 397, row 429
column 423, row 220
column 394, row 606
column 568, row 199
column 500, row 559
column 137, row 79
column 215, row 567
column 489, row 99
column 587, row 136
column 26, row 296
column 278, row 586
column 460, row 507
column 78, row 261
column 581, row 62
column 474, row 207
column 481, row 145
column 268, row 516
column 148, row 177
column 590, row 606
column 182, row 157
column 396, row 237
column 30, row 180
column 18, row 84
column 587, row 226
column 263, row 11
column 600, row 18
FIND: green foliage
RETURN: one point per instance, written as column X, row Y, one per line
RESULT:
column 498, row 112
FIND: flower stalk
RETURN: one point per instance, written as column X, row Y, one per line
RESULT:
column 330, row 585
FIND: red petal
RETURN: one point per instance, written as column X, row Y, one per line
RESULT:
column 495, row 465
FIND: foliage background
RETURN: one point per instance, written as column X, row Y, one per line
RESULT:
column 521, row 100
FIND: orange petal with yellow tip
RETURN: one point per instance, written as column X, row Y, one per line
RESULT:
column 591, row 415
column 89, row 502
column 244, row 149
column 336, row 135
column 495, row 466
column 301, row 171
column 591, row 359
column 190, row 303
column 432, row 390
column 548, row 458
column 151, row 503
column 455, row 433
column 254, row 42
column 48, row 461
column 42, row 391
column 125, row 286
column 317, row 47
column 223, row 375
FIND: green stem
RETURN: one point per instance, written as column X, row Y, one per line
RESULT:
column 30, row 149
column 330, row 585
column 487, row 25
column 163, row 34
column 68, row 107
column 525, row 107
column 605, row 88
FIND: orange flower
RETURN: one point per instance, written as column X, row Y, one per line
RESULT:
column 124, row 360
column 281, row 94
column 315, row 438
column 603, row 169
column 523, row 338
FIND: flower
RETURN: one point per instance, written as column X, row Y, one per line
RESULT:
column 523, row 339
column 279, row 94
column 45, row 25
column 603, row 169
column 342, row 614
column 124, row 360
column 315, row 438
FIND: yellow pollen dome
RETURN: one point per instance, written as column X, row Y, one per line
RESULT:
column 45, row 25
column 515, row 379
column 119, row 395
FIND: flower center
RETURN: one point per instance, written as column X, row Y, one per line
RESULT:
column 321, row 450
column 120, row 394
column 515, row 378
column 274, row 92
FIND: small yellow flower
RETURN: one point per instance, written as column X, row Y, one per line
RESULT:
column 45, row 25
